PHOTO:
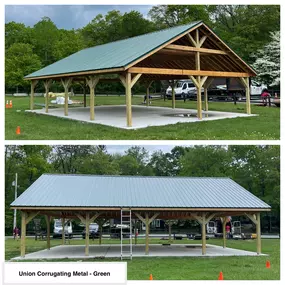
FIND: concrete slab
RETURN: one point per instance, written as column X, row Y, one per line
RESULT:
column 114, row 251
column 115, row 116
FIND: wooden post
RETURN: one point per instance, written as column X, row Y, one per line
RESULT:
column 199, row 98
column 173, row 94
column 48, row 231
column 87, row 232
column 33, row 85
column 169, row 231
column 92, row 81
column 258, row 233
column 247, row 92
column 224, row 222
column 146, row 234
column 147, row 93
column 84, row 95
column 129, row 99
column 206, row 99
column 23, row 234
column 47, row 84
column 135, row 229
column 66, row 84
column 203, row 234
column 63, row 231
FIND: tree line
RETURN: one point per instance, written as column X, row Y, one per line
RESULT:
column 245, row 28
column 257, row 168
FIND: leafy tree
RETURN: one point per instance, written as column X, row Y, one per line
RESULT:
column 19, row 62
column 267, row 63
column 16, row 33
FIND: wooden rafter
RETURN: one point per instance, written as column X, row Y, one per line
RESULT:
column 194, row 49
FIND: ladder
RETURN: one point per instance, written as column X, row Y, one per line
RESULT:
column 126, row 234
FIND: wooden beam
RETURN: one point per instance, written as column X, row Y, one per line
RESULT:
column 87, row 223
column 135, row 79
column 202, row 40
column 258, row 234
column 173, row 94
column 167, row 71
column 147, row 234
column 210, row 217
column 94, row 217
column 23, row 233
column 48, row 219
column 140, row 217
column 193, row 42
column 203, row 233
column 147, row 93
column 92, row 81
column 82, row 219
column 252, row 218
column 63, row 231
column 203, row 80
column 194, row 81
column 194, row 49
column 33, row 85
column 128, row 99
column 66, row 82
column 47, row 84
column 224, row 222
column 153, row 218
column 123, row 80
column 81, row 73
column 31, row 216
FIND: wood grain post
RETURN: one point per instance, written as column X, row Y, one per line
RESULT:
column 23, row 233
column 129, row 99
column 146, row 234
column 66, row 84
column 92, row 81
column 87, row 232
column 147, row 93
column 247, row 92
column 224, row 222
column 206, row 99
column 47, row 84
column 48, row 219
column 84, row 95
column 203, row 234
column 63, row 231
column 33, row 85
column 173, row 94
column 258, row 233
column 169, row 231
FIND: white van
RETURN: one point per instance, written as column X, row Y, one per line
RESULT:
column 57, row 228
column 183, row 89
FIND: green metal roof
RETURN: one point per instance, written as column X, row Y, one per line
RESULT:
column 112, row 55
column 66, row 190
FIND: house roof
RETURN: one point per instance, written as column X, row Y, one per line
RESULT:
column 63, row 190
column 113, row 55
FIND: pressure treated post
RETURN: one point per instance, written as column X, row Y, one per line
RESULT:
column 84, row 95
column 169, row 231
column 92, row 81
column 48, row 231
column 199, row 98
column 129, row 99
column 66, row 84
column 224, row 222
column 147, row 93
column 33, row 85
column 247, row 93
column 87, row 223
column 203, row 234
column 173, row 94
column 23, row 233
column 258, row 233
column 146, row 234
column 206, row 99
column 63, row 231
column 47, row 84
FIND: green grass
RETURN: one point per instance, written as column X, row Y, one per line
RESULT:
column 185, row 268
column 40, row 127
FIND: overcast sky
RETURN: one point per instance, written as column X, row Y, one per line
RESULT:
column 64, row 16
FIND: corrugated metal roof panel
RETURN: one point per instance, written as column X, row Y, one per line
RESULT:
column 57, row 190
column 114, row 54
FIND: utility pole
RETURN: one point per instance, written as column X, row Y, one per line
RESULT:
column 16, row 194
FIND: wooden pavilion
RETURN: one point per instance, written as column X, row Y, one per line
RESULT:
column 89, row 197
column 191, row 51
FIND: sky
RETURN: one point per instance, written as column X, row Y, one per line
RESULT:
column 65, row 16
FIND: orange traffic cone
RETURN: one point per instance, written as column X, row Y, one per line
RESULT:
column 267, row 264
column 150, row 277
column 221, row 276
column 7, row 104
column 11, row 105
column 18, row 131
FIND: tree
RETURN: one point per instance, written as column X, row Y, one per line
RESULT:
column 267, row 63
column 16, row 33
column 19, row 62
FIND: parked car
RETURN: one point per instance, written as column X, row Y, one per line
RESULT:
column 183, row 89
column 93, row 231
column 57, row 229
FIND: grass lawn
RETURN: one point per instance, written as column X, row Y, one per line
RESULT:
column 40, row 127
column 185, row 268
